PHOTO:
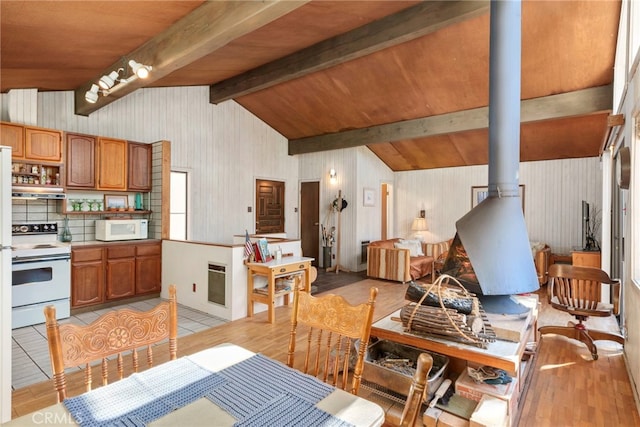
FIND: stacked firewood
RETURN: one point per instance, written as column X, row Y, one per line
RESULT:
column 447, row 313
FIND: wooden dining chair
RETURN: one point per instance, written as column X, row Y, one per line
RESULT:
column 577, row 291
column 415, row 397
column 115, row 332
column 337, row 338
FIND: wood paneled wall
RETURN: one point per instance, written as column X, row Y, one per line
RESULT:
column 554, row 191
column 224, row 147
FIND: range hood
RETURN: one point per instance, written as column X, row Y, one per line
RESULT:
column 494, row 233
column 33, row 193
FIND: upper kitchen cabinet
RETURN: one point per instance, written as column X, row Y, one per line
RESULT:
column 81, row 161
column 12, row 135
column 139, row 167
column 112, row 164
column 42, row 144
column 33, row 143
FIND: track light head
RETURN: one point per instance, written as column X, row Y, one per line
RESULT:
column 92, row 94
column 107, row 81
column 140, row 70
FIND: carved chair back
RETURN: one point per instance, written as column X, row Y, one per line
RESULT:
column 334, row 326
column 114, row 333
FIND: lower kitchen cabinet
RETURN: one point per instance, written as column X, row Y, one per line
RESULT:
column 148, row 268
column 107, row 272
column 87, row 276
column 121, row 266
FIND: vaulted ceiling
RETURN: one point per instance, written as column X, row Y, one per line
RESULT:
column 410, row 80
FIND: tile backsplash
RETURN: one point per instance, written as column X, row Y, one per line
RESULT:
column 83, row 227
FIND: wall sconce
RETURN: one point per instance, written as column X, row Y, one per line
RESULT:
column 419, row 224
column 333, row 176
column 111, row 82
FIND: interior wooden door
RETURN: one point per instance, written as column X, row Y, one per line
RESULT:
column 310, row 220
column 269, row 206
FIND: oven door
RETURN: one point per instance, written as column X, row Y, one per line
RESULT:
column 40, row 279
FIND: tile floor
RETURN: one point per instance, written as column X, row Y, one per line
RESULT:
column 30, row 353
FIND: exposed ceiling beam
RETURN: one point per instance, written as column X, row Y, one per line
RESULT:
column 408, row 24
column 580, row 102
column 207, row 28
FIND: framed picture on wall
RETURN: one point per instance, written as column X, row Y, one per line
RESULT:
column 115, row 202
column 368, row 197
column 479, row 193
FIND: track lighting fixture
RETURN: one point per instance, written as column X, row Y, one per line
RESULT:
column 107, row 81
column 140, row 70
column 112, row 81
column 92, row 94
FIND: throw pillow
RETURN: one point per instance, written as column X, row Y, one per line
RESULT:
column 414, row 246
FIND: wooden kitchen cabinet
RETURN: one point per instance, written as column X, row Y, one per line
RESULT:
column 112, row 164
column 120, row 272
column 80, row 161
column 148, row 268
column 87, row 276
column 139, row 168
column 42, row 144
column 12, row 135
column 106, row 272
column 32, row 143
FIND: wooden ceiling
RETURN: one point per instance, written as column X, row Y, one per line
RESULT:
column 410, row 80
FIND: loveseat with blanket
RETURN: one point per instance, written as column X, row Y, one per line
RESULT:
column 402, row 260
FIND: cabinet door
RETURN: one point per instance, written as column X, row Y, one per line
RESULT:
column 112, row 164
column 139, row 167
column 13, row 136
column 81, row 160
column 120, row 277
column 148, row 274
column 148, row 268
column 43, row 144
column 87, row 283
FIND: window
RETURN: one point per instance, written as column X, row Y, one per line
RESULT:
column 178, row 205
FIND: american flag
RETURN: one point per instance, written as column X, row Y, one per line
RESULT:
column 248, row 248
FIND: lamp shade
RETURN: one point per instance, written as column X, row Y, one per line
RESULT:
column 419, row 224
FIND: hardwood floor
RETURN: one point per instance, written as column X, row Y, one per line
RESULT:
column 568, row 389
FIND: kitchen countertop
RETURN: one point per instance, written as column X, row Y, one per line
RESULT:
column 118, row 242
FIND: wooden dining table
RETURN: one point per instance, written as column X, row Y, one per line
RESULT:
column 225, row 385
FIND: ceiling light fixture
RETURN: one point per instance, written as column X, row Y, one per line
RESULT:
column 92, row 94
column 107, row 81
column 111, row 82
column 140, row 70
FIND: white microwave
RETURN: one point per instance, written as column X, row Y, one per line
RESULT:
column 121, row 229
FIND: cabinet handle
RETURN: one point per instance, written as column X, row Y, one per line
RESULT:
column 301, row 266
column 282, row 270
